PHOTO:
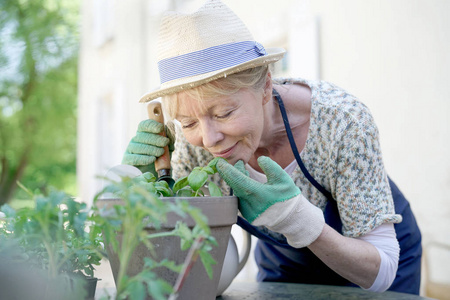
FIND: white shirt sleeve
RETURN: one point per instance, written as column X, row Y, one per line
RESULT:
column 385, row 241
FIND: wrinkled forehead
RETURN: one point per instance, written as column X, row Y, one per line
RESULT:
column 189, row 104
column 176, row 103
column 193, row 107
column 202, row 98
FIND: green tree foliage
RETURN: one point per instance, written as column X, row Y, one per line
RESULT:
column 38, row 92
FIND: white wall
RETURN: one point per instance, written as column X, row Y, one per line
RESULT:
column 111, row 81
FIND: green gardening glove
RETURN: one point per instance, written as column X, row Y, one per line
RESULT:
column 277, row 204
column 146, row 146
column 255, row 197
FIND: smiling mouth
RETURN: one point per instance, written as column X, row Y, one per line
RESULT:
column 226, row 153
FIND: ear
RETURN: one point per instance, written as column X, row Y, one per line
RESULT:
column 267, row 95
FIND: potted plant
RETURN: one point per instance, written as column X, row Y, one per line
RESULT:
column 53, row 237
column 154, row 235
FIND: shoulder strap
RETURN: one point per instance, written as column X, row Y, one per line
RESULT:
column 295, row 150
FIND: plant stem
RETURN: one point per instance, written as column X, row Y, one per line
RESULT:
column 161, row 234
column 52, row 265
column 51, row 260
column 187, row 265
column 127, row 248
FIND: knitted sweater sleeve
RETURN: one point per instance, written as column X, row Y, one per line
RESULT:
column 361, row 186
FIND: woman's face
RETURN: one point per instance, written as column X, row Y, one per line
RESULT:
column 227, row 126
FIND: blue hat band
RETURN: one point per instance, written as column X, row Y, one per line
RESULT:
column 209, row 60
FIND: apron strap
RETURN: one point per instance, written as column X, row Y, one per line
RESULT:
column 294, row 148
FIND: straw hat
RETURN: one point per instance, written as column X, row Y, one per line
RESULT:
column 208, row 44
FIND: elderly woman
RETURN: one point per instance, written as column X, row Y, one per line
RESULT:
column 303, row 157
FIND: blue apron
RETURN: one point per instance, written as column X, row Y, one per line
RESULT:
column 278, row 261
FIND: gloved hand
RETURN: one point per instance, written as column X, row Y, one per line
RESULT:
column 277, row 204
column 146, row 146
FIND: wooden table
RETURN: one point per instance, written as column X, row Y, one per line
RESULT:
column 276, row 290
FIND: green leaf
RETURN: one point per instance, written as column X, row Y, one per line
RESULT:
column 186, row 192
column 183, row 231
column 149, row 176
column 163, row 188
column 111, row 188
column 159, row 289
column 180, row 183
column 135, row 180
column 8, row 211
column 149, row 186
column 214, row 190
column 136, row 290
column 185, row 244
column 171, row 265
column 212, row 240
column 146, row 274
column 208, row 262
column 199, row 193
column 208, row 170
column 200, row 219
column 213, row 162
column 197, row 179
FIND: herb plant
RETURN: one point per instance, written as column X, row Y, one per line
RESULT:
column 143, row 205
column 191, row 185
column 53, row 236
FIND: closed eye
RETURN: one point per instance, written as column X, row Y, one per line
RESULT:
column 224, row 115
column 189, row 125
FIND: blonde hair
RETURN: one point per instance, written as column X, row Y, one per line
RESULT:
column 254, row 78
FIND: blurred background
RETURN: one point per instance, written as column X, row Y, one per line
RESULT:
column 72, row 72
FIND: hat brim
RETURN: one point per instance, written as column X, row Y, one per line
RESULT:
column 177, row 85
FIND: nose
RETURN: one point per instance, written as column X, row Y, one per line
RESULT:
column 211, row 134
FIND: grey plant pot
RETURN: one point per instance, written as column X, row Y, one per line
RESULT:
column 221, row 213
